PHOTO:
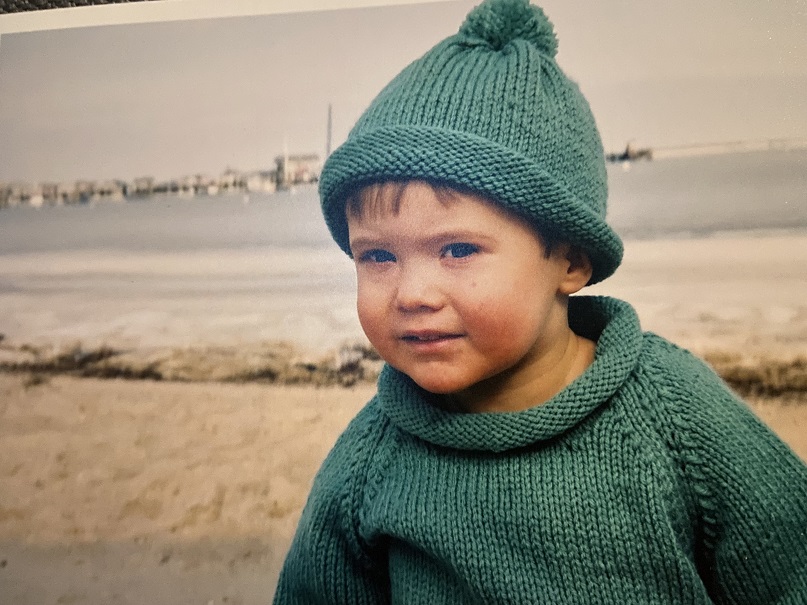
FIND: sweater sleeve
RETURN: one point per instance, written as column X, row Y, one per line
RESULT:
column 751, row 492
column 328, row 562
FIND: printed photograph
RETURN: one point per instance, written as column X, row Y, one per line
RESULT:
column 180, row 345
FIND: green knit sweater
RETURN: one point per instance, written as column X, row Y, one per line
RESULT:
column 644, row 481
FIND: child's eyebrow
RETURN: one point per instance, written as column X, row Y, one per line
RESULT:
column 457, row 235
column 367, row 242
column 442, row 237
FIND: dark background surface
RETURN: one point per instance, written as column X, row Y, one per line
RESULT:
column 16, row 6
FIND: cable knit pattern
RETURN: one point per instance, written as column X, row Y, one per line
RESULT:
column 645, row 481
column 487, row 109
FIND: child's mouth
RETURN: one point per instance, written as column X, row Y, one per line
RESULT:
column 428, row 337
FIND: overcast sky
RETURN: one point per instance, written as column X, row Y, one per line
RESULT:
column 173, row 98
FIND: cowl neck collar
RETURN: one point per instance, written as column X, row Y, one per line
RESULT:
column 613, row 324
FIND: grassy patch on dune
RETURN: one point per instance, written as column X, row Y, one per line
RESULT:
column 276, row 363
column 349, row 364
column 761, row 376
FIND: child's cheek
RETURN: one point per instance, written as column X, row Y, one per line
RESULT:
column 499, row 323
column 371, row 317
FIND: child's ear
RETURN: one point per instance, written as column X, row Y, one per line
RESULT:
column 578, row 269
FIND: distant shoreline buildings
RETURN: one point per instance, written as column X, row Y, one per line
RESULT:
column 292, row 170
column 289, row 170
column 632, row 153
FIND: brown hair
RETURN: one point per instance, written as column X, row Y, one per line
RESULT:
column 380, row 197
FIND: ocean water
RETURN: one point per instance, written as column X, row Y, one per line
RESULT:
column 670, row 197
column 709, row 194
column 221, row 269
column 169, row 224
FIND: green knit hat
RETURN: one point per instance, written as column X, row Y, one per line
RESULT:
column 487, row 110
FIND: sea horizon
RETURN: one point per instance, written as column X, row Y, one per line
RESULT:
column 223, row 270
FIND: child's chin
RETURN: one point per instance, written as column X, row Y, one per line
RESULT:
column 437, row 381
column 438, row 387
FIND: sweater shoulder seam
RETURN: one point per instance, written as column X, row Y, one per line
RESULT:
column 373, row 430
column 678, row 434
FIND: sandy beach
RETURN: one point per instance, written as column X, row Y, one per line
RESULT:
column 155, row 492
column 187, row 489
column 117, row 491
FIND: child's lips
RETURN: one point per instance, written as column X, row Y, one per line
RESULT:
column 428, row 338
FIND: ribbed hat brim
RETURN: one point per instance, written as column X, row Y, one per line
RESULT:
column 467, row 162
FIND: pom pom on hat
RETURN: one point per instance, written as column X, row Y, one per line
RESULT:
column 499, row 22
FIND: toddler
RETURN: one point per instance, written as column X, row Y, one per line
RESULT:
column 525, row 445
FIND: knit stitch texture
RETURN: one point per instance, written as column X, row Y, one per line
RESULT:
column 644, row 481
column 487, row 110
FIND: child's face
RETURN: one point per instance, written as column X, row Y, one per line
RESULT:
column 453, row 292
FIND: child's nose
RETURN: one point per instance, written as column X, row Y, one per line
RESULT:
column 418, row 290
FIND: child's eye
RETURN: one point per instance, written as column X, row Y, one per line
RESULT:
column 377, row 256
column 459, row 250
